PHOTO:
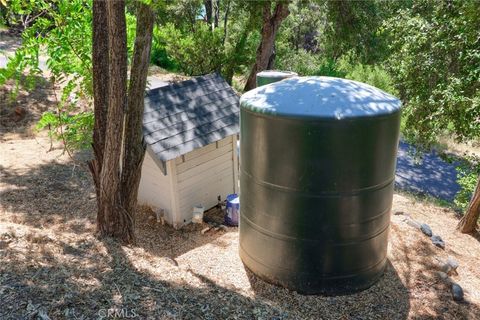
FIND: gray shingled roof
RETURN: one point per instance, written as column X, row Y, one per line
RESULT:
column 184, row 116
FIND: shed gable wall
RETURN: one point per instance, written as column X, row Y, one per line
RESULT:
column 203, row 175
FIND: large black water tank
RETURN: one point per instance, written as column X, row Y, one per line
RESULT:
column 317, row 172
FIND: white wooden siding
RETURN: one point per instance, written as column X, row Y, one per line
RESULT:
column 203, row 175
column 155, row 188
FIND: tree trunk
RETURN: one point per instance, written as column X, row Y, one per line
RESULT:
column 265, row 51
column 134, row 149
column 271, row 60
column 208, row 10
column 100, row 93
column 118, row 138
column 225, row 22
column 215, row 12
column 212, row 11
column 116, row 222
column 468, row 223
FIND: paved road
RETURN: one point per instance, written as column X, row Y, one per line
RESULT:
column 431, row 175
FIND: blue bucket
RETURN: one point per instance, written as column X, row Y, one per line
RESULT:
column 233, row 210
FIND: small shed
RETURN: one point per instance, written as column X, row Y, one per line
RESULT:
column 190, row 129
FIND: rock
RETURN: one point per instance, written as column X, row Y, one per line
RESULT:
column 450, row 266
column 446, row 268
column 457, row 292
column 412, row 223
column 438, row 241
column 426, row 229
column 452, row 263
column 442, row 275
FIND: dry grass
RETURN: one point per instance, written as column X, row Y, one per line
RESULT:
column 465, row 149
column 52, row 264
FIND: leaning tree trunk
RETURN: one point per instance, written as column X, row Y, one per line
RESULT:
column 134, row 149
column 116, row 222
column 265, row 51
column 100, row 94
column 468, row 223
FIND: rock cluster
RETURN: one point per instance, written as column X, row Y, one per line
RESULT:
column 448, row 267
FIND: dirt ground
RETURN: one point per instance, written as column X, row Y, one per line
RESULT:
column 53, row 265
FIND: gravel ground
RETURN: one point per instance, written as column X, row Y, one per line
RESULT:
column 52, row 265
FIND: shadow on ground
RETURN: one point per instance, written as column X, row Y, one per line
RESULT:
column 428, row 175
column 164, row 241
column 93, row 284
column 419, row 273
column 50, row 194
column 56, row 194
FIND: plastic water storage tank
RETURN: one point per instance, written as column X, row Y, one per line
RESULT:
column 271, row 76
column 318, row 161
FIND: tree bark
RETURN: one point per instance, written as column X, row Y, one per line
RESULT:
column 100, row 93
column 212, row 11
column 208, row 10
column 265, row 51
column 118, row 138
column 225, row 22
column 468, row 223
column 134, row 149
column 116, row 222
column 215, row 12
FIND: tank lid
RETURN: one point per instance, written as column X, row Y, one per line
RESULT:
column 276, row 74
column 319, row 97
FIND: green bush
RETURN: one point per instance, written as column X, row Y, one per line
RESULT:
column 467, row 175
column 307, row 64
column 74, row 130
column 197, row 52
column 301, row 62
column 374, row 75
column 159, row 55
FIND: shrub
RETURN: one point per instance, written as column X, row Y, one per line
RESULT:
column 467, row 175
column 374, row 75
column 197, row 52
column 307, row 64
column 159, row 55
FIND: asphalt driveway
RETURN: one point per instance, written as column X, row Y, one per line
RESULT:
column 429, row 175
